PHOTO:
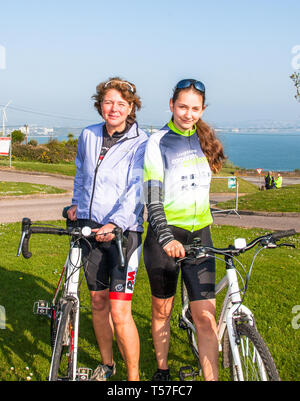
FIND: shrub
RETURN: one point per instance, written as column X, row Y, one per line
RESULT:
column 52, row 152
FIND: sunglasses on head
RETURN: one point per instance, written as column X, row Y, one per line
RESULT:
column 186, row 83
column 121, row 82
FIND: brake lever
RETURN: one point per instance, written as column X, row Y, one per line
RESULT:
column 289, row 245
column 21, row 243
column 118, row 238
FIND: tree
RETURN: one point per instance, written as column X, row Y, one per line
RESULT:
column 17, row 136
column 295, row 77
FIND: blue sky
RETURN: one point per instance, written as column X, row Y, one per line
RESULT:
column 56, row 52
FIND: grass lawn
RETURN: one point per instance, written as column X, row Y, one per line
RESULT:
column 285, row 199
column 220, row 185
column 217, row 185
column 24, row 343
column 25, row 188
column 68, row 169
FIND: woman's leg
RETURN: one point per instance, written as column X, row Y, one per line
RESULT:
column 127, row 336
column 163, row 275
column 102, row 324
column 203, row 313
column 161, row 314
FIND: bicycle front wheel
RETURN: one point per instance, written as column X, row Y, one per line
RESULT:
column 64, row 324
column 256, row 361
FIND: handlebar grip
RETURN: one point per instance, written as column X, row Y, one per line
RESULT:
column 25, row 252
column 189, row 248
column 282, row 234
column 65, row 212
column 26, row 223
column 48, row 230
column 70, row 223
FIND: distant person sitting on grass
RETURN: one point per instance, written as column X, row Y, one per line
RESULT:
column 269, row 181
column 278, row 181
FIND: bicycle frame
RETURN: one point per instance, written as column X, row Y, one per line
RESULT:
column 70, row 290
column 244, row 347
column 232, row 310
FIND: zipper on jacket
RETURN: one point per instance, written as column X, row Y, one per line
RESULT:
column 99, row 161
column 94, row 183
column 195, row 203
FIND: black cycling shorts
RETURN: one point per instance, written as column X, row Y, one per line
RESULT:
column 102, row 264
column 163, row 272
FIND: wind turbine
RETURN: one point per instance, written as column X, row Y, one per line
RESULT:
column 4, row 118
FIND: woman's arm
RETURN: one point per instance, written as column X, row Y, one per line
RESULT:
column 153, row 192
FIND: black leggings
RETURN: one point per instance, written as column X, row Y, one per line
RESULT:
column 163, row 271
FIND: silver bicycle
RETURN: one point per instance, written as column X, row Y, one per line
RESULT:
column 64, row 309
column 243, row 349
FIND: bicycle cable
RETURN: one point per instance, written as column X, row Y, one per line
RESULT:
column 75, row 267
column 84, row 265
column 239, row 274
column 250, row 269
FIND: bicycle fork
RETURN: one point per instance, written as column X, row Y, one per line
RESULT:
column 71, row 291
column 232, row 312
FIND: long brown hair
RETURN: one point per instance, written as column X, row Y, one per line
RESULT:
column 210, row 144
column 127, row 90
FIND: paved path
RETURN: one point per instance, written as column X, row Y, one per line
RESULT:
column 49, row 207
column 260, row 221
column 40, row 207
column 36, row 208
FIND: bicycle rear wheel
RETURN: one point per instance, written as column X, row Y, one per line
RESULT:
column 191, row 334
column 256, row 361
column 62, row 337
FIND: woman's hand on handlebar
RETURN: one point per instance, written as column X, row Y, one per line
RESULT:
column 72, row 213
column 104, row 234
column 174, row 249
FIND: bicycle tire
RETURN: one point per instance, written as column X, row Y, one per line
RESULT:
column 252, row 348
column 64, row 327
column 192, row 337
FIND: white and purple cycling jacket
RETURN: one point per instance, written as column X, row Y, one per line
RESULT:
column 110, row 190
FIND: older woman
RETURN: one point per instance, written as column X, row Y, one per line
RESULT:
column 108, row 193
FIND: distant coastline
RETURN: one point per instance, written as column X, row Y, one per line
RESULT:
column 269, row 148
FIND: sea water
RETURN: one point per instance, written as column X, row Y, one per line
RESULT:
column 251, row 150
column 275, row 152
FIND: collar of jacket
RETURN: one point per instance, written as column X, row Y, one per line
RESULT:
column 172, row 126
column 133, row 131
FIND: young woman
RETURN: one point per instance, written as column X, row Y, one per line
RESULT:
column 108, row 193
column 179, row 160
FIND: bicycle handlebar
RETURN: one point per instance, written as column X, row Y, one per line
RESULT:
column 266, row 240
column 77, row 232
column 281, row 234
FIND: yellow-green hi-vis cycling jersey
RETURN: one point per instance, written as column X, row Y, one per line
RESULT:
column 177, row 176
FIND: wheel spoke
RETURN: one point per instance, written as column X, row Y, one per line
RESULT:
column 256, row 361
